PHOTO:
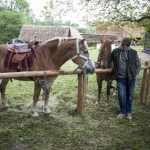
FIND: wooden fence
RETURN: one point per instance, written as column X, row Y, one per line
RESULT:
column 81, row 82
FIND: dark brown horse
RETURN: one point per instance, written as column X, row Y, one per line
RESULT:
column 104, row 53
column 50, row 55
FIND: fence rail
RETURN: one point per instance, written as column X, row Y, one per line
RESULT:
column 52, row 73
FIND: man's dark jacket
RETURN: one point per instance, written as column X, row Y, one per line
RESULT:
column 131, row 63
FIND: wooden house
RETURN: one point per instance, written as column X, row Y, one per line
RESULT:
column 120, row 32
column 44, row 33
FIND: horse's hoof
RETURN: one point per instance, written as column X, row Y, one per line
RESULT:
column 114, row 95
column 97, row 103
column 6, row 106
column 35, row 114
column 107, row 104
column 47, row 112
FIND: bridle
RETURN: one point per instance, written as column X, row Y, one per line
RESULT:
column 81, row 56
column 100, row 58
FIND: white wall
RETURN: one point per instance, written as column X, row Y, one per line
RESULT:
column 99, row 44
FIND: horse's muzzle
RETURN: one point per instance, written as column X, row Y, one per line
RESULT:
column 103, row 67
column 90, row 69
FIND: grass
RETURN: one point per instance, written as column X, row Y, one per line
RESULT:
column 64, row 129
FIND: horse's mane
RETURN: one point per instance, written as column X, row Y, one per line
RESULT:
column 64, row 39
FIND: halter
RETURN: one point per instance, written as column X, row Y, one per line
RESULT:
column 79, row 55
column 103, row 58
column 100, row 58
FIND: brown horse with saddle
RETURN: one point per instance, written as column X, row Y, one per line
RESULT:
column 50, row 55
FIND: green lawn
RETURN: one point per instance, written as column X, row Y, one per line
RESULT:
column 64, row 129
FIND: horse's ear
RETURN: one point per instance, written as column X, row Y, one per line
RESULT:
column 82, row 41
column 112, row 41
column 101, row 41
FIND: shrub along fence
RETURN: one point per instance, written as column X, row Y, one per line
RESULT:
column 81, row 82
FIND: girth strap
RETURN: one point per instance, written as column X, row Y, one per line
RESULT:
column 9, row 60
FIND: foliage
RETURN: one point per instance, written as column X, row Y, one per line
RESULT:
column 51, row 21
column 28, row 17
column 88, row 29
column 15, row 5
column 21, row 6
column 10, row 25
column 100, row 12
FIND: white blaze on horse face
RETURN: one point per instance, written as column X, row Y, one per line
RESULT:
column 86, row 45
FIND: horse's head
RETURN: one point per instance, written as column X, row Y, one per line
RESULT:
column 81, row 56
column 105, row 51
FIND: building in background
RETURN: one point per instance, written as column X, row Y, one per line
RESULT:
column 120, row 32
column 95, row 38
column 45, row 33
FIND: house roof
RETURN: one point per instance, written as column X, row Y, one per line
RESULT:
column 44, row 33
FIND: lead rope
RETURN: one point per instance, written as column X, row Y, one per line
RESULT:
column 43, row 83
column 109, row 82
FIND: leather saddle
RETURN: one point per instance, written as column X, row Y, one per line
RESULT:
column 21, row 50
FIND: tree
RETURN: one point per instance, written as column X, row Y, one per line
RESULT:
column 51, row 21
column 68, row 23
column 21, row 6
column 16, row 5
column 10, row 25
column 102, row 12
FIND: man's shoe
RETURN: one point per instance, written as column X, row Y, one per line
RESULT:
column 129, row 116
column 120, row 115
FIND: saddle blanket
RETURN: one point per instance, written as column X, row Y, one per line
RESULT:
column 30, row 60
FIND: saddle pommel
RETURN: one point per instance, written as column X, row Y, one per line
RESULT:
column 32, row 43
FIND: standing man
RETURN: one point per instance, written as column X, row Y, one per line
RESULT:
column 127, row 66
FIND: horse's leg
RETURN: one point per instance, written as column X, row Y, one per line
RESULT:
column 108, row 94
column 99, row 91
column 46, row 107
column 115, row 92
column 2, row 88
column 37, row 90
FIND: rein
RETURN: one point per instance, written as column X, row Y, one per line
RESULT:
column 103, row 58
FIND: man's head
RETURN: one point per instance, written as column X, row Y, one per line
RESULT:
column 125, row 44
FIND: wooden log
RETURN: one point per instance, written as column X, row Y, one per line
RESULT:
column 110, row 69
column 147, row 89
column 79, row 93
column 83, row 94
column 143, row 84
column 37, row 73
column 52, row 73
column 145, row 67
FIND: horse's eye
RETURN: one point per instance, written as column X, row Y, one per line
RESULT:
column 85, row 52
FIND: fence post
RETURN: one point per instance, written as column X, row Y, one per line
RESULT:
column 143, row 84
column 147, row 89
column 79, row 93
column 83, row 94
